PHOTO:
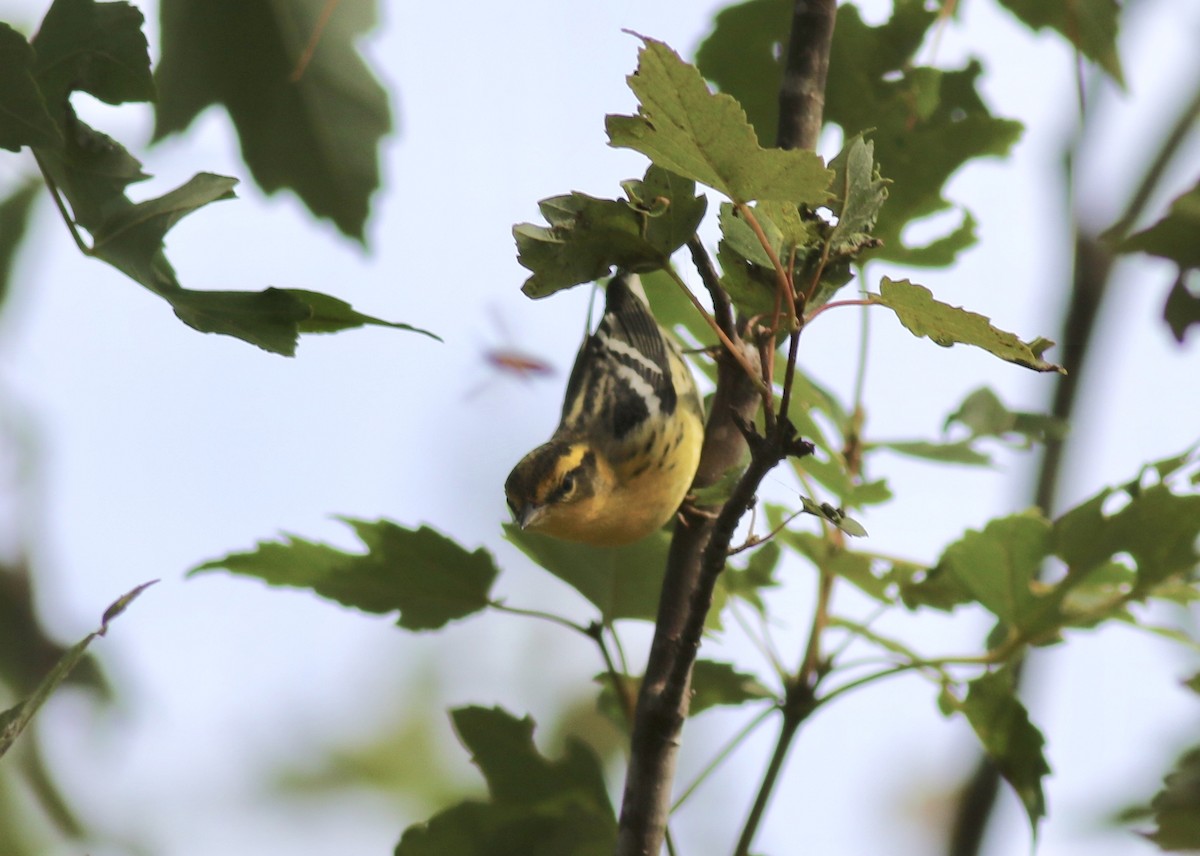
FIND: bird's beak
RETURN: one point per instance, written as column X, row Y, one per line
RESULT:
column 528, row 515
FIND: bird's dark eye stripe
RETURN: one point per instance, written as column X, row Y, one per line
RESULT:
column 565, row 485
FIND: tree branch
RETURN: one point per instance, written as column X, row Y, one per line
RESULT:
column 701, row 543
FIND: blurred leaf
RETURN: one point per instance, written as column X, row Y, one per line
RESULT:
column 985, row 415
column 874, row 83
column 502, row 748
column 98, row 48
column 587, row 236
column 715, row 684
column 1089, row 25
column 430, row 579
column 1012, row 742
column 957, row 452
column 621, row 582
column 318, row 136
column 537, row 807
column 856, row 568
column 759, row 573
column 685, row 128
column 947, row 325
column 1157, row 527
column 399, row 757
column 14, row 720
column 1174, row 236
column 24, row 119
column 15, row 210
column 998, row 568
column 1176, row 808
column 1182, row 308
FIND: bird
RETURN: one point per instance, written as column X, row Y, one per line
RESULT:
column 627, row 446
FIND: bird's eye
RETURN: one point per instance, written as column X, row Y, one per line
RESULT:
column 567, row 485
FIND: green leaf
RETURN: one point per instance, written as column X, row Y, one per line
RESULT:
column 1008, row 737
column 330, row 315
column 131, row 239
column 833, row 515
column 685, row 128
column 621, row 582
column 1174, row 236
column 14, row 220
column 502, row 748
column 24, row 119
column 537, row 807
column 860, row 193
column 272, row 319
column 98, row 48
column 1176, row 807
column 92, row 171
column 424, row 575
column 1089, row 25
column 947, row 325
column 14, row 720
column 747, row 273
column 269, row 319
column 586, row 237
column 318, row 136
column 715, row 684
column 875, row 83
column 672, row 209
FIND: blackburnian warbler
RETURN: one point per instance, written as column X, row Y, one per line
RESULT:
column 628, row 444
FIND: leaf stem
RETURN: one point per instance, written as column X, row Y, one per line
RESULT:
column 500, row 606
column 722, row 755
column 56, row 195
column 869, row 300
column 733, row 349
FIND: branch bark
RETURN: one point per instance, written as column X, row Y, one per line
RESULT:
column 701, row 543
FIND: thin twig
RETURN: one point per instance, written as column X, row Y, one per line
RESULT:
column 733, row 350
column 722, row 305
